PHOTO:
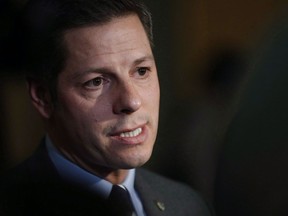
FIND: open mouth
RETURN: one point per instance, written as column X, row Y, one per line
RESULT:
column 133, row 133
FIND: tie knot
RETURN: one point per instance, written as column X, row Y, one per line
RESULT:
column 119, row 192
column 120, row 201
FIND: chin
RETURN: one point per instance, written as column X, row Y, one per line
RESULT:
column 135, row 161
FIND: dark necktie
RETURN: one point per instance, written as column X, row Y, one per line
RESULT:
column 120, row 202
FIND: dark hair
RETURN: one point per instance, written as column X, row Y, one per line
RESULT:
column 44, row 22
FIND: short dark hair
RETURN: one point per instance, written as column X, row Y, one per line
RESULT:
column 44, row 22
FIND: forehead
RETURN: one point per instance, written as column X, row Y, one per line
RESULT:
column 113, row 45
column 115, row 35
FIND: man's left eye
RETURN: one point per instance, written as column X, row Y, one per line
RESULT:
column 142, row 71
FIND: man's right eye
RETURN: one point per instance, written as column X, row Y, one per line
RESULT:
column 96, row 82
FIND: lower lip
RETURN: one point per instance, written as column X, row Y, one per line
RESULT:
column 132, row 140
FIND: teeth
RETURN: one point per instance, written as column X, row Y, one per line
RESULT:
column 134, row 133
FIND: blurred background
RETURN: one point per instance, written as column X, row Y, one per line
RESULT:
column 223, row 70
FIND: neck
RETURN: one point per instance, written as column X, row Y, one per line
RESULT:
column 117, row 176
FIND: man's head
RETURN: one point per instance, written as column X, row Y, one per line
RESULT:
column 107, row 91
column 44, row 22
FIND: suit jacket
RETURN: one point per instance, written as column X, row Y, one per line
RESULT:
column 35, row 188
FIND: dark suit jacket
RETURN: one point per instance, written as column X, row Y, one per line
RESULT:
column 35, row 188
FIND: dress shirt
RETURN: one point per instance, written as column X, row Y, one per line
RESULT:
column 71, row 172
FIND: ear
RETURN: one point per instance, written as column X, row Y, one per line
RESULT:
column 40, row 97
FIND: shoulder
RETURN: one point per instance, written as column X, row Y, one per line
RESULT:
column 175, row 194
column 27, row 177
column 32, row 169
column 167, row 186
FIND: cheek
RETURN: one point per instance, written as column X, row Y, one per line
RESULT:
column 78, row 105
column 100, row 111
column 153, row 96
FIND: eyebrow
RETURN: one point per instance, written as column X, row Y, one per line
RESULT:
column 143, row 59
column 106, row 70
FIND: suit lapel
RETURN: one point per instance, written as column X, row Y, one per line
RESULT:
column 152, row 200
column 50, row 195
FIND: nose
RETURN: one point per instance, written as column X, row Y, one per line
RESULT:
column 127, row 99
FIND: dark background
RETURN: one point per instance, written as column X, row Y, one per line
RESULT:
column 223, row 122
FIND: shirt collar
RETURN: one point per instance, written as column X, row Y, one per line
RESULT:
column 76, row 175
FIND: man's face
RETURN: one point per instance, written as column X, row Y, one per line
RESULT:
column 108, row 96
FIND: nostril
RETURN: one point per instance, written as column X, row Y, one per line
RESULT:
column 127, row 106
column 126, row 111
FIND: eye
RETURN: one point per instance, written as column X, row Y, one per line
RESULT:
column 142, row 71
column 96, row 82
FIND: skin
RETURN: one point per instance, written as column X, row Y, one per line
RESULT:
column 109, row 86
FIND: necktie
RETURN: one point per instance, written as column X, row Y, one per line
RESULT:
column 120, row 202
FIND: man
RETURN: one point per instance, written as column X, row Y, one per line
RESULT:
column 93, row 80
